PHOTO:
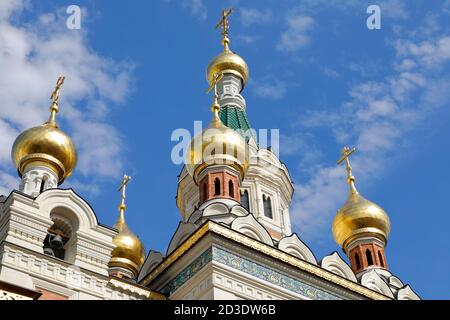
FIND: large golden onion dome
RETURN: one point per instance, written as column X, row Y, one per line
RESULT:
column 359, row 217
column 217, row 145
column 129, row 252
column 227, row 62
column 46, row 145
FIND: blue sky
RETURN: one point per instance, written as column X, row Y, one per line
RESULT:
column 136, row 71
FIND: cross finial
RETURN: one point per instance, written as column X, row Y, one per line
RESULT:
column 55, row 98
column 224, row 23
column 217, row 78
column 123, row 186
column 346, row 152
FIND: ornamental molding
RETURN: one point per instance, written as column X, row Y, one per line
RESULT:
column 151, row 295
column 6, row 295
column 62, row 275
column 334, row 263
column 267, row 274
column 262, row 248
column 296, row 247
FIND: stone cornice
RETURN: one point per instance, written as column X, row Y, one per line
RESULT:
column 262, row 248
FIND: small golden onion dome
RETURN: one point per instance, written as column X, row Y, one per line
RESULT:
column 129, row 252
column 358, row 217
column 45, row 145
column 227, row 62
column 217, row 145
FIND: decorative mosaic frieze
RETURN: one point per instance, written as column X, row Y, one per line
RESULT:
column 188, row 272
column 249, row 267
column 264, row 273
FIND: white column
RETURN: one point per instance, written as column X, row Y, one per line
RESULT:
column 32, row 179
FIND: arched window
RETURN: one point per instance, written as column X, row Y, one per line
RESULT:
column 380, row 257
column 267, row 203
column 217, row 187
column 231, row 188
column 357, row 261
column 369, row 257
column 205, row 194
column 244, row 200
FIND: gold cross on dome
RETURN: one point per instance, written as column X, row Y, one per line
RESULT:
column 224, row 22
column 55, row 94
column 346, row 152
column 217, row 78
column 123, row 187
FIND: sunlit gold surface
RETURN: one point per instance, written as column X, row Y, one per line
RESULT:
column 217, row 145
column 227, row 62
column 358, row 217
column 129, row 252
column 48, row 145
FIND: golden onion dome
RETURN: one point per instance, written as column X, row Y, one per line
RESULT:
column 45, row 145
column 217, row 145
column 227, row 62
column 129, row 252
column 359, row 217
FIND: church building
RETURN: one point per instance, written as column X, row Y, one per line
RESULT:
column 234, row 239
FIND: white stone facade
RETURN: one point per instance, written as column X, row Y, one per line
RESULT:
column 83, row 273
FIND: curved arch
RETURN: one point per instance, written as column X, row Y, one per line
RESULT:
column 396, row 282
column 66, row 200
column 374, row 282
column 153, row 259
column 184, row 230
column 334, row 263
column 406, row 293
column 239, row 210
column 215, row 209
column 269, row 156
column 294, row 246
column 249, row 226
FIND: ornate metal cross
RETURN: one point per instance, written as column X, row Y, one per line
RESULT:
column 214, row 83
column 346, row 152
column 224, row 22
column 55, row 94
column 123, row 187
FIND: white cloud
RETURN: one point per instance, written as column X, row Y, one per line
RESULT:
column 246, row 39
column 32, row 56
column 331, row 73
column 377, row 118
column 272, row 91
column 296, row 35
column 250, row 16
column 8, row 182
column 197, row 8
